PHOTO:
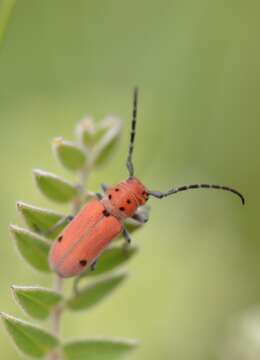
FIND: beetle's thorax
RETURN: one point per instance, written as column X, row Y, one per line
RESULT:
column 123, row 199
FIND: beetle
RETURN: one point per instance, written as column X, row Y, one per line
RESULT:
column 101, row 220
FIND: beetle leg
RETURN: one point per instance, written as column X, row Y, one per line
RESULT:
column 141, row 218
column 93, row 265
column 104, row 187
column 91, row 194
column 61, row 222
column 82, row 275
column 99, row 196
column 126, row 236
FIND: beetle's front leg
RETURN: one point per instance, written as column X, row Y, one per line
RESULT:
column 104, row 187
column 141, row 217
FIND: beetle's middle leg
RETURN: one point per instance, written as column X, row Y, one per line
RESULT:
column 98, row 195
column 126, row 236
column 61, row 222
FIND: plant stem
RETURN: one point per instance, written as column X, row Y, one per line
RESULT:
column 58, row 281
column 56, row 316
column 57, row 286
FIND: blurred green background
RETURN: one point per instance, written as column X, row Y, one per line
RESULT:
column 197, row 66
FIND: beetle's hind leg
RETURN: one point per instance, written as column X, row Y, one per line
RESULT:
column 93, row 265
column 82, row 275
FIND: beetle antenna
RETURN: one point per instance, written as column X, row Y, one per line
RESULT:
column 129, row 162
column 160, row 195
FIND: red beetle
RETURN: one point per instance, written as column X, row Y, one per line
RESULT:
column 101, row 220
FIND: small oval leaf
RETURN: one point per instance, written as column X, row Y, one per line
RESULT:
column 104, row 149
column 36, row 301
column 112, row 258
column 70, row 155
column 89, row 133
column 41, row 220
column 54, row 187
column 98, row 349
column 95, row 292
column 33, row 248
column 29, row 339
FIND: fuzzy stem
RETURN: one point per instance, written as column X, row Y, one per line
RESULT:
column 57, row 286
column 56, row 316
column 58, row 281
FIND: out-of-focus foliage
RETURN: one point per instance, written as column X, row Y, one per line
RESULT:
column 36, row 301
column 29, row 339
column 197, row 67
column 242, row 340
column 34, row 246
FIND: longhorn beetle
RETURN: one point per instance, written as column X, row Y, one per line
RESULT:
column 102, row 219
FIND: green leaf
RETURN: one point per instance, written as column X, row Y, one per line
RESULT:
column 95, row 292
column 105, row 148
column 40, row 220
column 54, row 187
column 29, row 339
column 70, row 155
column 36, row 301
column 98, row 349
column 33, row 248
column 112, row 258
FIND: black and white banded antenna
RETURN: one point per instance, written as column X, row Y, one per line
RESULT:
column 129, row 162
column 160, row 195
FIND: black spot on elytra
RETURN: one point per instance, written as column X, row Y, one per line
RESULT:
column 122, row 208
column 110, row 196
column 83, row 262
column 128, row 201
column 106, row 213
column 116, row 189
column 60, row 238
